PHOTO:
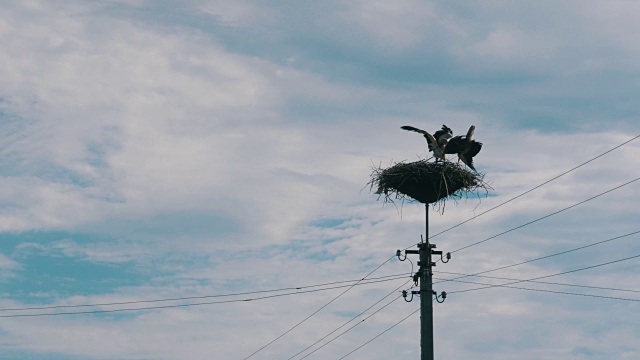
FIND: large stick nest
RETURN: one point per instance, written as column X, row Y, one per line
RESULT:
column 426, row 182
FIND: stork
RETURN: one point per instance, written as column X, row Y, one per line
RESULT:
column 465, row 146
column 436, row 142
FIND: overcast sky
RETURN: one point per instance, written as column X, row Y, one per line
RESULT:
column 164, row 149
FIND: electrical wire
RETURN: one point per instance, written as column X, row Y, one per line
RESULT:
column 353, row 318
column 195, row 304
column 546, row 216
column 547, row 276
column 349, row 329
column 394, row 276
column 536, row 187
column 380, row 334
column 508, row 285
column 547, row 256
column 345, row 324
column 317, row 311
column 542, row 282
column 359, row 281
column 547, row 291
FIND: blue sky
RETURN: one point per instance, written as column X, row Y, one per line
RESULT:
column 152, row 150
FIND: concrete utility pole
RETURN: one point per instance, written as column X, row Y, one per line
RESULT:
column 425, row 276
column 426, row 290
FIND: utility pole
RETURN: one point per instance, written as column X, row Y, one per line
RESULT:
column 426, row 289
column 425, row 276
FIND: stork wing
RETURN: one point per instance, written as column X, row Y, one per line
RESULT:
column 472, row 129
column 475, row 148
column 431, row 141
column 454, row 145
column 411, row 128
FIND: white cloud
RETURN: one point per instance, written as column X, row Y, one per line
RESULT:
column 398, row 25
column 507, row 43
column 7, row 264
column 8, row 268
column 117, row 125
column 174, row 118
column 236, row 13
column 614, row 23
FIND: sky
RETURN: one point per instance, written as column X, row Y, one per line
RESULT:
column 155, row 150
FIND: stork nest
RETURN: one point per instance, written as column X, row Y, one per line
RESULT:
column 426, row 182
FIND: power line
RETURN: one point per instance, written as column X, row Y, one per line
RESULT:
column 542, row 282
column 380, row 334
column 343, row 325
column 516, row 287
column 547, row 291
column 538, row 186
column 349, row 329
column 547, row 276
column 317, row 311
column 293, row 293
column 547, row 256
column 368, row 281
column 546, row 216
column 195, row 304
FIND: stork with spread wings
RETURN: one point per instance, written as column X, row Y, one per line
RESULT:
column 443, row 142
column 436, row 142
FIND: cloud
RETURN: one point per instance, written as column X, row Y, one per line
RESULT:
column 398, row 25
column 158, row 120
column 7, row 268
column 152, row 151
